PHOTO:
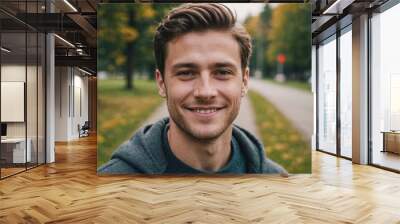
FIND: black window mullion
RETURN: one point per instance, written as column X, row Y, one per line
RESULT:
column 369, row 90
column 338, row 98
column 317, row 96
column 45, row 94
column 26, row 86
column 44, row 79
column 37, row 90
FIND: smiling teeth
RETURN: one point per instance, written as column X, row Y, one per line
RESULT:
column 205, row 111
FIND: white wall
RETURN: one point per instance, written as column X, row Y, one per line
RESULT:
column 71, row 87
column 62, row 81
column 81, row 101
column 13, row 73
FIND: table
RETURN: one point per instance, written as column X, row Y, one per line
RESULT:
column 13, row 150
column 391, row 141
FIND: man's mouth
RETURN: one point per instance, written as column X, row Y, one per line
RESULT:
column 204, row 110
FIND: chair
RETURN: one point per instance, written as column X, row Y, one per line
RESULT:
column 84, row 130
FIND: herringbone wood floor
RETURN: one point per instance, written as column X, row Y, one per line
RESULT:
column 69, row 191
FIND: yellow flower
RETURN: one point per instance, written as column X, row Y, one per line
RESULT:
column 128, row 33
column 147, row 12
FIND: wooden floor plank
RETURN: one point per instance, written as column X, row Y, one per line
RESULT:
column 69, row 191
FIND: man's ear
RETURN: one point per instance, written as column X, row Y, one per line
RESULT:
column 160, row 84
column 245, row 83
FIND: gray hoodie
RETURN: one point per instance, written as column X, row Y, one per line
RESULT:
column 144, row 154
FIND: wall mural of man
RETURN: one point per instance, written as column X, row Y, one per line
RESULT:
column 202, row 56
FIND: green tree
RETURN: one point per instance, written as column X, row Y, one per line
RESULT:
column 125, row 38
column 258, row 26
column 290, row 35
column 110, row 37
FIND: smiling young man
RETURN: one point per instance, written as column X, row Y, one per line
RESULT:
column 202, row 58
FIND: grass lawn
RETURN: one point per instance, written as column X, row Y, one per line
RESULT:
column 120, row 112
column 282, row 142
column 295, row 84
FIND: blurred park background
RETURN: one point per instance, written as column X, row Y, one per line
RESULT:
column 279, row 103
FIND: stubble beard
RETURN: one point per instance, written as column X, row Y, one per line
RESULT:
column 183, row 124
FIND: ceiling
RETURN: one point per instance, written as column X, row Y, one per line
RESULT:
column 330, row 15
column 74, row 21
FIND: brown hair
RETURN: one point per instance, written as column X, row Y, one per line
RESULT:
column 193, row 17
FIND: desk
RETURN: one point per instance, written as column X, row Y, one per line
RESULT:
column 391, row 141
column 17, row 150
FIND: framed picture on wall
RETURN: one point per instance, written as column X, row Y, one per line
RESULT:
column 12, row 101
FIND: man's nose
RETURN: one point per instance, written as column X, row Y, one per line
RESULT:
column 204, row 88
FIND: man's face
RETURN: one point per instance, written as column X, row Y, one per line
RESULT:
column 203, row 82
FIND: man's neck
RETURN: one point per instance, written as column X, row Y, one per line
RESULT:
column 202, row 155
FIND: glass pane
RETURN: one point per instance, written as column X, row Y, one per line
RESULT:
column 41, row 98
column 13, row 86
column 31, row 98
column 313, row 86
column 23, row 82
column 327, row 96
column 386, row 89
column 346, row 94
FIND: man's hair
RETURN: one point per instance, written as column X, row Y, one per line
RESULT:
column 194, row 17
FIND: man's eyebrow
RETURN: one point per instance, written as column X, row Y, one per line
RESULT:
column 184, row 65
column 224, row 64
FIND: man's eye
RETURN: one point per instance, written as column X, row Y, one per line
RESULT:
column 224, row 72
column 185, row 73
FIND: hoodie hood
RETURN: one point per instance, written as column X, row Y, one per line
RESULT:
column 144, row 151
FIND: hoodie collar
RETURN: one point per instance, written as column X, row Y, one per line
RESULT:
column 144, row 151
